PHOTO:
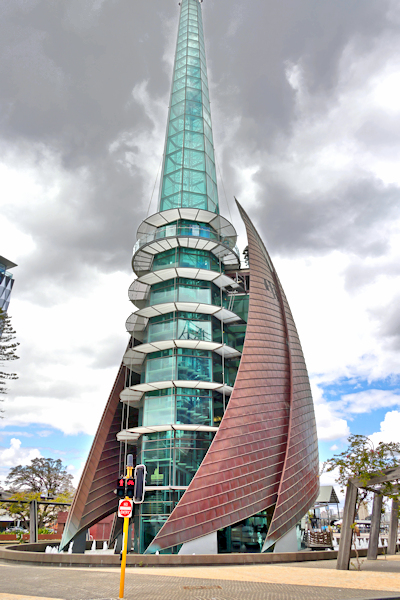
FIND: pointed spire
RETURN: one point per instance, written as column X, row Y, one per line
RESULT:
column 189, row 175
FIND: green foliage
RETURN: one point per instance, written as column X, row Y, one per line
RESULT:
column 43, row 477
column 362, row 460
column 7, row 349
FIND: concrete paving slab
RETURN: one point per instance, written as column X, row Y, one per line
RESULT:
column 256, row 582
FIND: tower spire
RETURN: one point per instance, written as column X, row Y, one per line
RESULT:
column 189, row 175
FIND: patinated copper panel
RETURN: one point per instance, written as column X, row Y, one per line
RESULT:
column 95, row 498
column 265, row 451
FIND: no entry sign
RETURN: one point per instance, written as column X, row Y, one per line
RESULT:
column 125, row 507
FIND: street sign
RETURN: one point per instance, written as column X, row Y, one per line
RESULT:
column 125, row 508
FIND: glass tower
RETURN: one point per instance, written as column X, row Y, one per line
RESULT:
column 6, row 282
column 189, row 327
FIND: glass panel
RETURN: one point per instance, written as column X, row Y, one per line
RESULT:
column 172, row 183
column 160, row 369
column 194, row 181
column 174, row 201
column 179, row 73
column 179, row 84
column 212, row 207
column 209, row 148
column 194, row 123
column 194, row 368
column 194, row 82
column 176, row 142
column 158, row 332
column 193, row 44
column 193, row 52
column 208, row 132
column 192, row 60
column 159, row 410
column 173, row 162
column 162, row 292
column 189, row 329
column 194, row 140
column 178, row 96
column 194, row 409
column 180, row 54
column 194, row 291
column 194, row 159
column 165, row 259
column 211, row 168
column 206, row 117
column 195, row 200
column 206, row 103
column 176, row 126
column 193, row 94
column 212, row 190
column 177, row 109
column 194, row 108
column 181, row 63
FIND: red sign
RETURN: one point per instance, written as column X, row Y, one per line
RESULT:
column 125, row 507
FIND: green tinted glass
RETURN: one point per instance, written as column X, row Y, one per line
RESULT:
column 189, row 116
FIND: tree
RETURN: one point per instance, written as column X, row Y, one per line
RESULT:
column 7, row 349
column 361, row 460
column 44, row 478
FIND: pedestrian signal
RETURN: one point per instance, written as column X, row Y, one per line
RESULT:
column 121, row 488
column 130, row 486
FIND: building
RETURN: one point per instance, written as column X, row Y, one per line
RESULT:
column 6, row 282
column 215, row 396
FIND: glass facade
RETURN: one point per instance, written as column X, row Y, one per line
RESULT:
column 195, row 326
column 188, row 180
column 189, row 175
column 6, row 283
column 188, row 364
column 187, row 290
column 187, row 257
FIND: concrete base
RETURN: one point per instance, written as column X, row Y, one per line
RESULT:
column 207, row 544
column 288, row 543
column 35, row 553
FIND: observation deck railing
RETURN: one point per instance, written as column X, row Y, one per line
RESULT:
column 185, row 230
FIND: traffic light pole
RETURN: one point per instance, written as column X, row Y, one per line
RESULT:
column 123, row 561
column 133, row 490
column 129, row 469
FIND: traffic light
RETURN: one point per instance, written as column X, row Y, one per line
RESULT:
column 140, row 481
column 121, row 488
column 130, row 486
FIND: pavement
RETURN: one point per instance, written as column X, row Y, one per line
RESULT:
column 314, row 580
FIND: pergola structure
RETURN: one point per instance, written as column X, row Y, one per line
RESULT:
column 354, row 484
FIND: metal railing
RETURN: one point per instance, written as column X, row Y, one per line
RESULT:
column 185, row 230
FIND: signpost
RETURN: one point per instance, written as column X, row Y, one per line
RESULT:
column 133, row 490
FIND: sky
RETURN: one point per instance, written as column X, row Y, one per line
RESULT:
column 305, row 100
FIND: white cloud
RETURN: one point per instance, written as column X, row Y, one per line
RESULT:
column 367, row 401
column 16, row 455
column 389, row 429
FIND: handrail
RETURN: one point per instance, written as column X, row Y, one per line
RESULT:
column 184, row 230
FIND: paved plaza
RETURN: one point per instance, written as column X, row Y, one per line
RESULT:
column 311, row 580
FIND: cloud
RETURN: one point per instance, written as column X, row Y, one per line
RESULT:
column 15, row 455
column 389, row 429
column 366, row 401
column 330, row 426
